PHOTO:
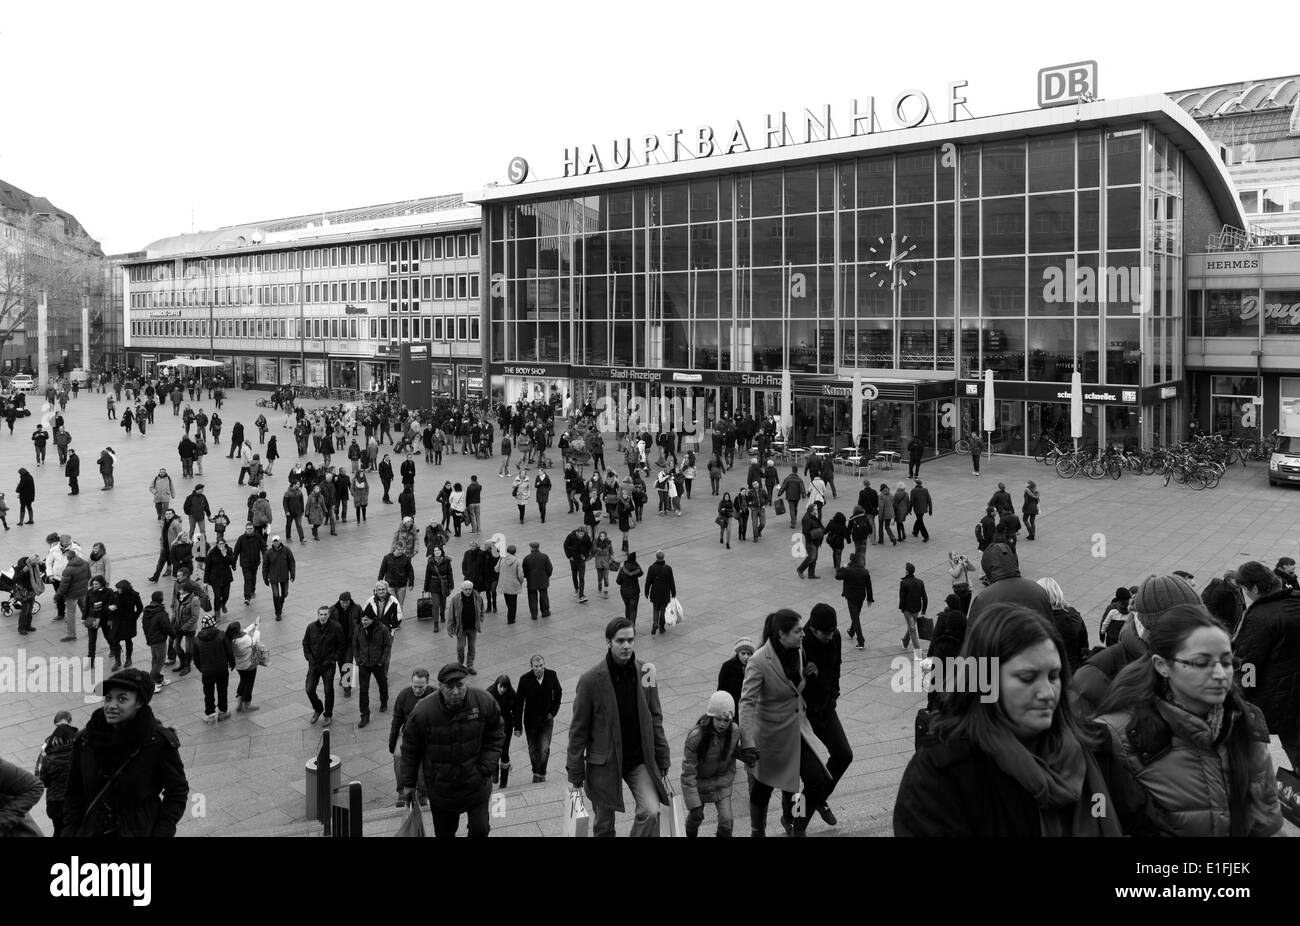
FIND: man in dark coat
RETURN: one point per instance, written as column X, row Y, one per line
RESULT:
column 821, row 692
column 372, row 646
column 660, row 588
column 106, row 462
column 617, row 735
column 1005, row 585
column 537, row 575
column 322, row 645
column 915, row 450
column 1269, row 641
column 72, row 469
column 408, row 472
column 869, row 502
column 278, row 570
column 55, row 763
column 386, row 477
column 248, row 550
column 456, row 736
column 986, row 529
column 403, row 706
column 538, row 696
column 577, row 548
column 347, row 614
column 921, row 507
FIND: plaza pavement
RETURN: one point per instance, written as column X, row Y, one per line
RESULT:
column 249, row 769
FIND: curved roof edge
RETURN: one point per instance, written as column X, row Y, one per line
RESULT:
column 1156, row 108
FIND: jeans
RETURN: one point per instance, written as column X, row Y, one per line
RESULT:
column 631, row 602
column 250, row 582
column 316, row 674
column 279, row 592
column 215, row 683
column 759, row 516
column 827, row 727
column 536, row 597
column 918, row 527
column 975, row 461
column 815, row 788
column 1029, row 520
column 185, row 654
column 810, row 561
column 446, row 822
column 157, row 654
column 886, row 527
column 70, row 614
column 201, row 523
column 913, row 469
column 793, row 506
column 381, row 676
column 290, row 522
column 466, row 639
column 911, row 632
column 512, row 604
column 539, row 745
column 474, row 516
column 220, row 597
column 579, row 569
column 855, row 619
column 244, row 690
column 646, row 823
column 726, row 821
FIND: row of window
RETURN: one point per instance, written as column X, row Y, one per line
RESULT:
column 402, row 256
column 427, row 328
column 1270, row 200
column 407, row 290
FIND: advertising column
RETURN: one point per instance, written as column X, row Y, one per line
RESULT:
column 415, row 369
column 42, row 343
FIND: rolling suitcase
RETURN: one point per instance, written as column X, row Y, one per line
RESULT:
column 424, row 608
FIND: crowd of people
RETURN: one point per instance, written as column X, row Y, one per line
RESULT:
column 1062, row 727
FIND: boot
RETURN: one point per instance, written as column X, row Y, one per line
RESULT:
column 757, row 821
column 505, row 774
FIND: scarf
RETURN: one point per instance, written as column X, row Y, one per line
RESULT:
column 1214, row 720
column 1060, row 775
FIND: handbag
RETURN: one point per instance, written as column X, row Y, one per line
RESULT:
column 413, row 825
column 720, row 520
column 924, row 627
column 672, row 813
column 261, row 654
column 779, row 504
column 577, row 821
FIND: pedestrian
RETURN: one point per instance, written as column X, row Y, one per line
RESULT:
column 157, row 626
column 771, row 715
column 822, row 662
column 628, row 580
column 913, row 602
column 726, row 509
column 660, row 588
column 125, row 609
column 245, row 643
column 474, row 505
column 814, row 532
column 537, row 705
column 54, row 767
column 960, row 571
column 578, row 549
column 126, row 776
column 716, row 469
column 1029, row 510
column 163, row 492
column 507, row 703
column 886, row 526
column 403, row 706
column 72, row 470
column 731, row 675
column 315, row 510
column 976, row 451
column 1268, row 640
column 1004, row 583
column 26, row 493
column 1017, row 763
column 272, row 454
column 922, row 506
column 709, row 764
column 322, row 645
column 70, row 595
column 617, row 735
column 279, row 569
column 521, row 490
column 406, row 502
column 214, row 657
column 465, row 623
column 372, row 646
column 249, row 549
column 603, row 557
column 758, row 502
column 537, row 570
column 915, row 451
column 439, row 583
column 28, row 584
column 360, row 489
column 986, row 529
column 386, row 477
column 107, row 460
column 542, row 491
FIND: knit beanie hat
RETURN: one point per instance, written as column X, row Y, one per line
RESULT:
column 744, row 643
column 822, row 618
column 1158, row 594
column 208, row 621
column 721, row 704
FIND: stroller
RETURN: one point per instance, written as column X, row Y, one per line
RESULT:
column 484, row 449
column 12, row 604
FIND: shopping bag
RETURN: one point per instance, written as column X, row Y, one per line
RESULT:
column 779, row 505
column 924, row 627
column 262, row 654
column 413, row 825
column 674, row 613
column 577, row 821
column 672, row 815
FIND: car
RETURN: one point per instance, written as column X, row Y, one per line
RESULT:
column 1284, row 462
column 23, row 383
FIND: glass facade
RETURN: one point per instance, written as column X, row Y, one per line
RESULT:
column 1034, row 257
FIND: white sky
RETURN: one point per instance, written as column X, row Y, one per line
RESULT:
column 134, row 116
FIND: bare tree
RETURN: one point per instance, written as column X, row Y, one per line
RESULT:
column 41, row 253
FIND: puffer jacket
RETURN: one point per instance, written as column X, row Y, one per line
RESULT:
column 707, row 778
column 189, row 609
column 389, row 613
column 1269, row 639
column 372, row 646
column 458, row 750
column 156, row 623
column 438, row 576
column 1093, row 678
column 1186, row 774
column 511, row 572
column 213, row 651
column 57, row 762
column 316, row 509
column 603, row 553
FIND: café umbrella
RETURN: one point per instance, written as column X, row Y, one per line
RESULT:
column 787, row 390
column 857, row 407
column 990, row 410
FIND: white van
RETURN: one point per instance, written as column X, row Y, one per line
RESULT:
column 1284, row 461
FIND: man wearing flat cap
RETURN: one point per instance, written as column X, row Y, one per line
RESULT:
column 455, row 736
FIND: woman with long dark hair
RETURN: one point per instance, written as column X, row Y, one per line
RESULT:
column 772, row 716
column 504, row 694
column 1006, row 757
column 725, row 512
column 1188, row 735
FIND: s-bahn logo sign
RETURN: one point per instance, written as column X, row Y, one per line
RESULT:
column 910, row 109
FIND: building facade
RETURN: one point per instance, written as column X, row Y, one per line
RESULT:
column 324, row 300
column 1033, row 244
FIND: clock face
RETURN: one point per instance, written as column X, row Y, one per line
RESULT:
column 899, row 267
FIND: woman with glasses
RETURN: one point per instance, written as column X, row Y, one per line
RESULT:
column 1189, row 737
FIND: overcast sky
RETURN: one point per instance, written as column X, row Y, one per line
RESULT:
column 145, row 120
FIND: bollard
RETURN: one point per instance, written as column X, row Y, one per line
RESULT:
column 354, row 809
column 321, row 786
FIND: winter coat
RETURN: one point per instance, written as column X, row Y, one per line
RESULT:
column 731, row 677
column 886, row 505
column 397, row 571
column 629, row 580
column 537, row 570
column 1269, row 639
column 506, row 704
column 323, row 644
column 76, row 580
column 249, row 549
column 317, row 510
column 521, row 491
column 360, row 493
column 458, row 750
column 911, row 595
column 261, row 515
column 245, row 649
column 472, row 569
column 372, row 646
column 792, row 488
column 771, row 714
column 163, row 490
column 438, row 576
column 578, row 546
column 156, row 623
column 660, row 585
column 920, row 502
column 603, row 553
column 213, row 651
column 57, row 763
column 389, row 613
column 595, row 755
column 536, row 700
column 953, row 788
column 1031, row 503
column 821, row 689
column 405, row 702
column 1091, row 682
column 188, row 610
column 459, row 619
column 707, row 775
column 1006, row 586
column 218, row 567
column 293, row 503
column 127, row 615
column 902, row 504
column 278, row 565
column 1186, row 773
column 149, row 795
column 1075, row 634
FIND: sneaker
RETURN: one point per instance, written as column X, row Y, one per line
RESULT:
column 383, row 707
column 157, row 687
column 209, row 718
column 223, row 715
column 67, row 639
column 185, row 671
column 316, row 716
column 582, row 599
column 399, row 803
column 861, row 645
column 470, row 670
column 329, row 719
column 538, row 778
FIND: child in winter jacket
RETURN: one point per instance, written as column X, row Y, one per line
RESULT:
column 157, row 626
column 709, row 763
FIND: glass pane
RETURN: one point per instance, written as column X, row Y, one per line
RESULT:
column 1053, row 284
column 970, row 171
column 945, row 230
column 1123, row 218
column 1051, row 349
column 1004, row 225
column 970, row 229
column 1051, row 163
column 1004, row 168
column 1004, row 348
column 1089, row 159
column 1004, row 286
column 1089, row 220
column 1120, row 284
column 1123, row 157
column 875, row 182
column 800, row 190
column 767, row 242
column 1051, row 223
column 673, row 203
column 874, row 227
column 800, row 239
column 1224, row 315
column 767, row 193
column 704, row 200
column 916, row 345
column 915, row 181
column 1282, row 312
column 1123, row 351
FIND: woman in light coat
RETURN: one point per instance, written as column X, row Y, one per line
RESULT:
column 772, row 717
column 163, row 492
column 522, row 491
column 360, row 488
column 902, row 507
column 510, row 580
column 244, row 643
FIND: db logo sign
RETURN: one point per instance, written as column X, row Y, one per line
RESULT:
column 518, row 170
column 1068, row 83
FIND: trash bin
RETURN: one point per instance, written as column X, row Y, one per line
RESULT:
column 336, row 781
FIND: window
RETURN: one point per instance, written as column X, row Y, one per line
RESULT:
column 383, row 290
column 427, row 326
column 428, row 287
column 437, row 249
column 352, row 288
column 415, row 255
column 437, row 286
column 374, row 328
column 462, row 287
column 383, row 252
column 450, row 287
column 473, row 286
column 1273, row 199
column 374, row 290
column 334, row 291
column 462, row 245
column 473, row 327
column 406, row 329
column 426, row 248
column 383, row 329
column 352, row 254
column 437, row 329
column 473, row 245
column 406, row 256
column 374, row 253
column 462, row 328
